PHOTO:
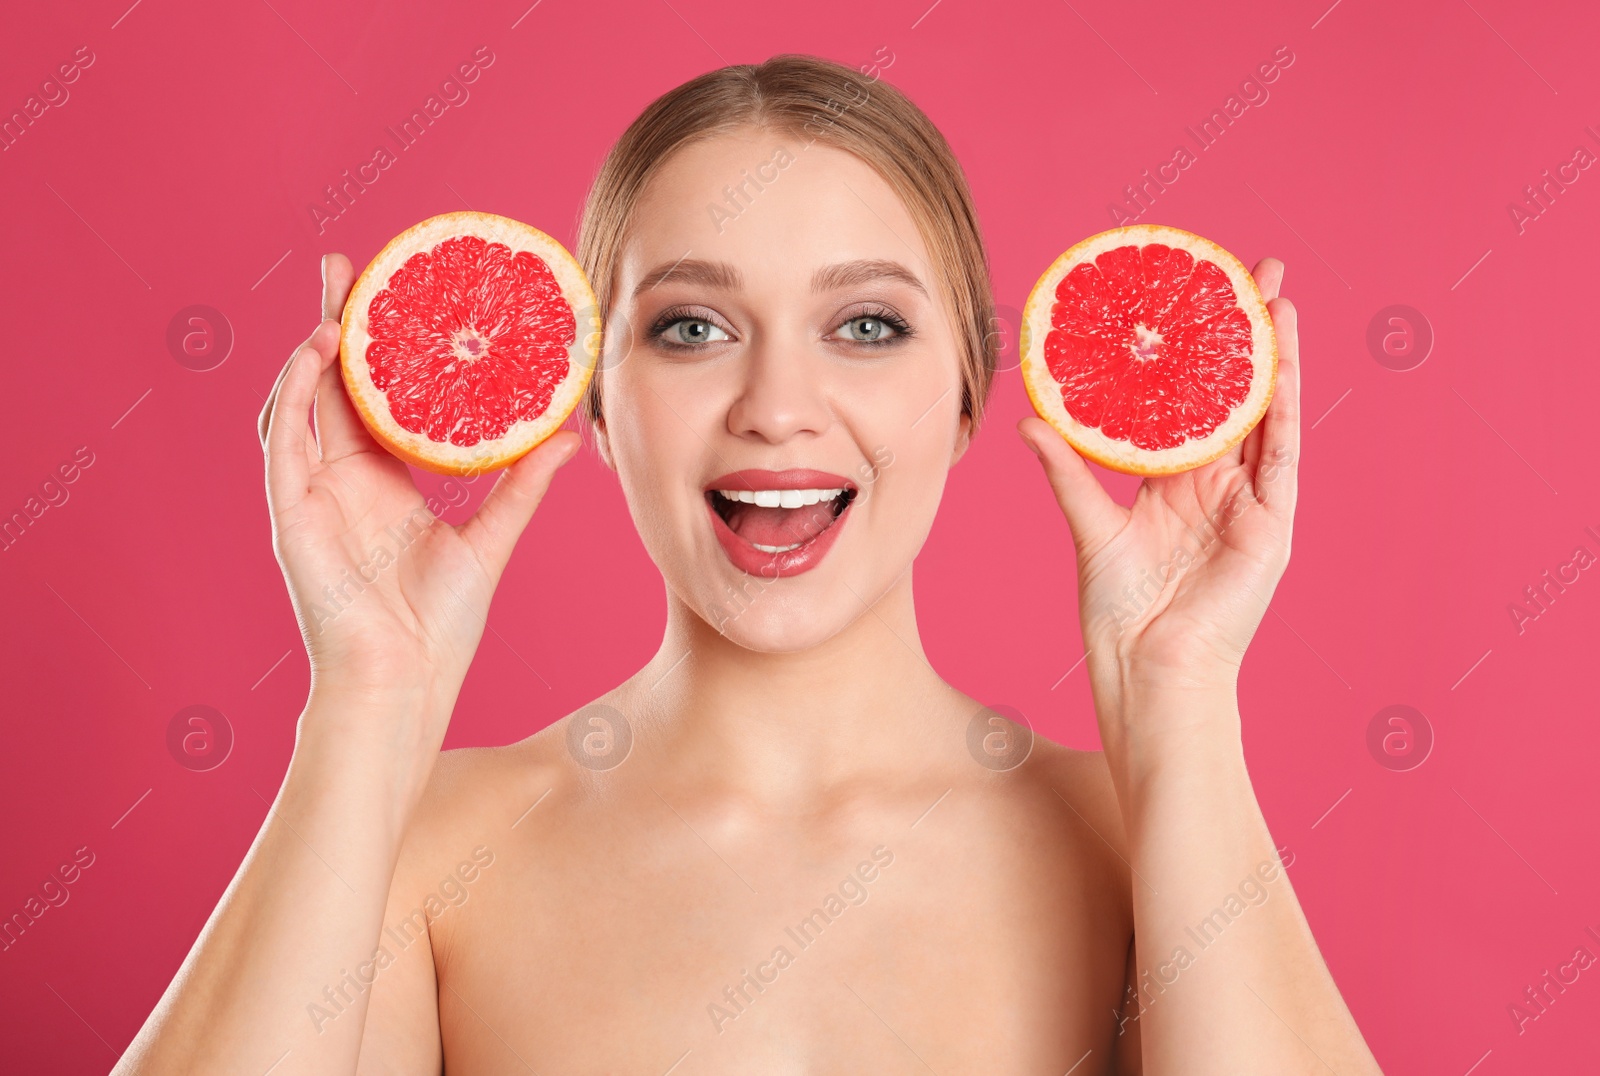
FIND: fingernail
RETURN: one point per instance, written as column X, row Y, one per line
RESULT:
column 1031, row 446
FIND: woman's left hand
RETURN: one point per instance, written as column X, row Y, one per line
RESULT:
column 1171, row 590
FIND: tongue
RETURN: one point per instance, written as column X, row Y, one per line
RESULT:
column 779, row 526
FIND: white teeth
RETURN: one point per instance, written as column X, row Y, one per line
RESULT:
column 780, row 498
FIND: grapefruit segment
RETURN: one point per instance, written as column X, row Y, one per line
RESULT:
column 468, row 340
column 1149, row 349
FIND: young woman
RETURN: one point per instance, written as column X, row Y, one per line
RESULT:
column 771, row 849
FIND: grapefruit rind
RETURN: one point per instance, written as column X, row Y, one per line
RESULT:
column 523, row 436
column 1045, row 391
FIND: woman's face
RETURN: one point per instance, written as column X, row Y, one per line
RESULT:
column 782, row 386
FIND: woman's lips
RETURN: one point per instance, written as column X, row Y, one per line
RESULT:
column 756, row 521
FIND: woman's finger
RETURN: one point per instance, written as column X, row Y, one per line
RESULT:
column 1235, row 456
column 287, row 445
column 335, row 289
column 1268, row 275
column 264, row 419
column 1091, row 513
column 340, row 431
column 337, row 278
column 1279, row 463
column 494, row 528
column 1250, row 449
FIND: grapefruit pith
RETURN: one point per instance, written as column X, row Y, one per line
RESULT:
column 1149, row 349
column 468, row 341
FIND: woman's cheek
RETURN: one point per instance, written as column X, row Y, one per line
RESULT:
column 911, row 474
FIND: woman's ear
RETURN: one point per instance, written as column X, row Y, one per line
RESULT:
column 963, row 439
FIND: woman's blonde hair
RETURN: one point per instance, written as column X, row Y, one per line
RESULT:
column 812, row 99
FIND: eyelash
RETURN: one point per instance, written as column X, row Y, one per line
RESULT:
column 888, row 317
column 673, row 315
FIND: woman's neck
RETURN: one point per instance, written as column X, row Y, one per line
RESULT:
column 789, row 725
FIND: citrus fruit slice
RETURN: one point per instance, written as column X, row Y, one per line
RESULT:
column 1149, row 349
column 468, row 340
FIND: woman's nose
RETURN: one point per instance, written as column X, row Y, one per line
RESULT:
column 783, row 394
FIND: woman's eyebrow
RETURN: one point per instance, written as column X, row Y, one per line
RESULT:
column 726, row 277
column 693, row 271
column 848, row 274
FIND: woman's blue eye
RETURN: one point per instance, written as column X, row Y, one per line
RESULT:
column 871, row 329
column 692, row 331
column 865, row 329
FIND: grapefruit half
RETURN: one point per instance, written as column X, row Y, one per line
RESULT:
column 1149, row 349
column 468, row 341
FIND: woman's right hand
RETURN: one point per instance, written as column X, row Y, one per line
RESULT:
column 391, row 600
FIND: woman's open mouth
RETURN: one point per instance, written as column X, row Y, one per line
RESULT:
column 775, row 523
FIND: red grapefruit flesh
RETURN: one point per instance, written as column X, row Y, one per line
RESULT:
column 1149, row 349
column 468, row 340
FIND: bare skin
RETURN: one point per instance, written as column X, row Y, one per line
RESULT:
column 590, row 909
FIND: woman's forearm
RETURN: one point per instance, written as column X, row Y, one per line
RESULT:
column 303, row 911
column 1228, row 978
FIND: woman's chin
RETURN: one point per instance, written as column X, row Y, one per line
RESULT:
column 782, row 627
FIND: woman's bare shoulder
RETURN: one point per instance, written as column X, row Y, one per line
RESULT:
column 1085, row 774
column 478, row 793
column 1081, row 782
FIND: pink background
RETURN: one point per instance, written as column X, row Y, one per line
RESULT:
column 181, row 171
